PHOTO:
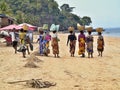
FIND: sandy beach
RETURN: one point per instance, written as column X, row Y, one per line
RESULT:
column 70, row 73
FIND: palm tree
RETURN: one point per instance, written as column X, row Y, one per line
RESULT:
column 86, row 20
column 67, row 8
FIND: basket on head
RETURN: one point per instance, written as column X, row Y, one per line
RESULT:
column 80, row 28
column 25, row 27
column 89, row 29
column 99, row 29
column 71, row 28
column 45, row 27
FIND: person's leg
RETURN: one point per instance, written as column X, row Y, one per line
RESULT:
column 55, row 55
column 27, row 49
column 73, row 54
column 24, row 54
column 91, row 55
column 101, row 53
column 58, row 55
column 83, row 55
column 15, row 49
column 88, row 55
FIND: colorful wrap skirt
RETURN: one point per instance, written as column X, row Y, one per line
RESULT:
column 72, row 46
column 55, row 46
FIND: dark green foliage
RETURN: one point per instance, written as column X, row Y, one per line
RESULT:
column 39, row 12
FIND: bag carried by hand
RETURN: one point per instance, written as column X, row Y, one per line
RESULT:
column 31, row 47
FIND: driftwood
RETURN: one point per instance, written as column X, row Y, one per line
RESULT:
column 20, row 81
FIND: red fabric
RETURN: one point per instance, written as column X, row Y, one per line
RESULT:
column 8, row 39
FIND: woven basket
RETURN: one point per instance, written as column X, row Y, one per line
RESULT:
column 80, row 28
column 71, row 28
column 25, row 27
column 89, row 29
column 99, row 29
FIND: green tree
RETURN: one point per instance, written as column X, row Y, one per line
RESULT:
column 86, row 20
column 66, row 8
column 5, row 9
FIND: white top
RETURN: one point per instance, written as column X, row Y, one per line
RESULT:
column 54, row 35
column 12, row 35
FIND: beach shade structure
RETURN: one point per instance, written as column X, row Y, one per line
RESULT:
column 53, row 27
column 27, row 26
column 80, row 28
column 11, row 27
column 45, row 27
column 100, row 29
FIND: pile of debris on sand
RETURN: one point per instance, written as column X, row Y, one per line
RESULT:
column 36, row 83
column 30, row 64
column 31, row 61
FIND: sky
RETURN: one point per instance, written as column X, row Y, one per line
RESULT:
column 103, row 13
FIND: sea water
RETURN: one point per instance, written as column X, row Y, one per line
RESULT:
column 114, row 32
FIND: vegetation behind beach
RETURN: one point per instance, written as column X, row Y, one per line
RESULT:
column 39, row 12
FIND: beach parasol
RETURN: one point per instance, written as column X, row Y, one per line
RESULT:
column 11, row 27
column 28, row 26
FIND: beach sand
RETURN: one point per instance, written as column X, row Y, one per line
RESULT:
column 70, row 73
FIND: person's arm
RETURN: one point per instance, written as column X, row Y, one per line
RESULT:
column 78, row 38
column 75, row 37
column 67, row 40
column 103, row 42
column 37, row 40
column 92, row 39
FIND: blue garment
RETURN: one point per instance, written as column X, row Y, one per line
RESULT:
column 89, row 42
column 41, row 44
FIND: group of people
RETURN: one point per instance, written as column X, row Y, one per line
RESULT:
column 22, row 40
column 85, row 43
column 44, row 39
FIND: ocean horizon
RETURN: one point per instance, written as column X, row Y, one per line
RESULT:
column 113, row 32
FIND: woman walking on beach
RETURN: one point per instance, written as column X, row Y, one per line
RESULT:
column 89, row 42
column 72, row 39
column 100, row 42
column 41, row 44
column 81, row 40
column 54, row 43
column 47, row 38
